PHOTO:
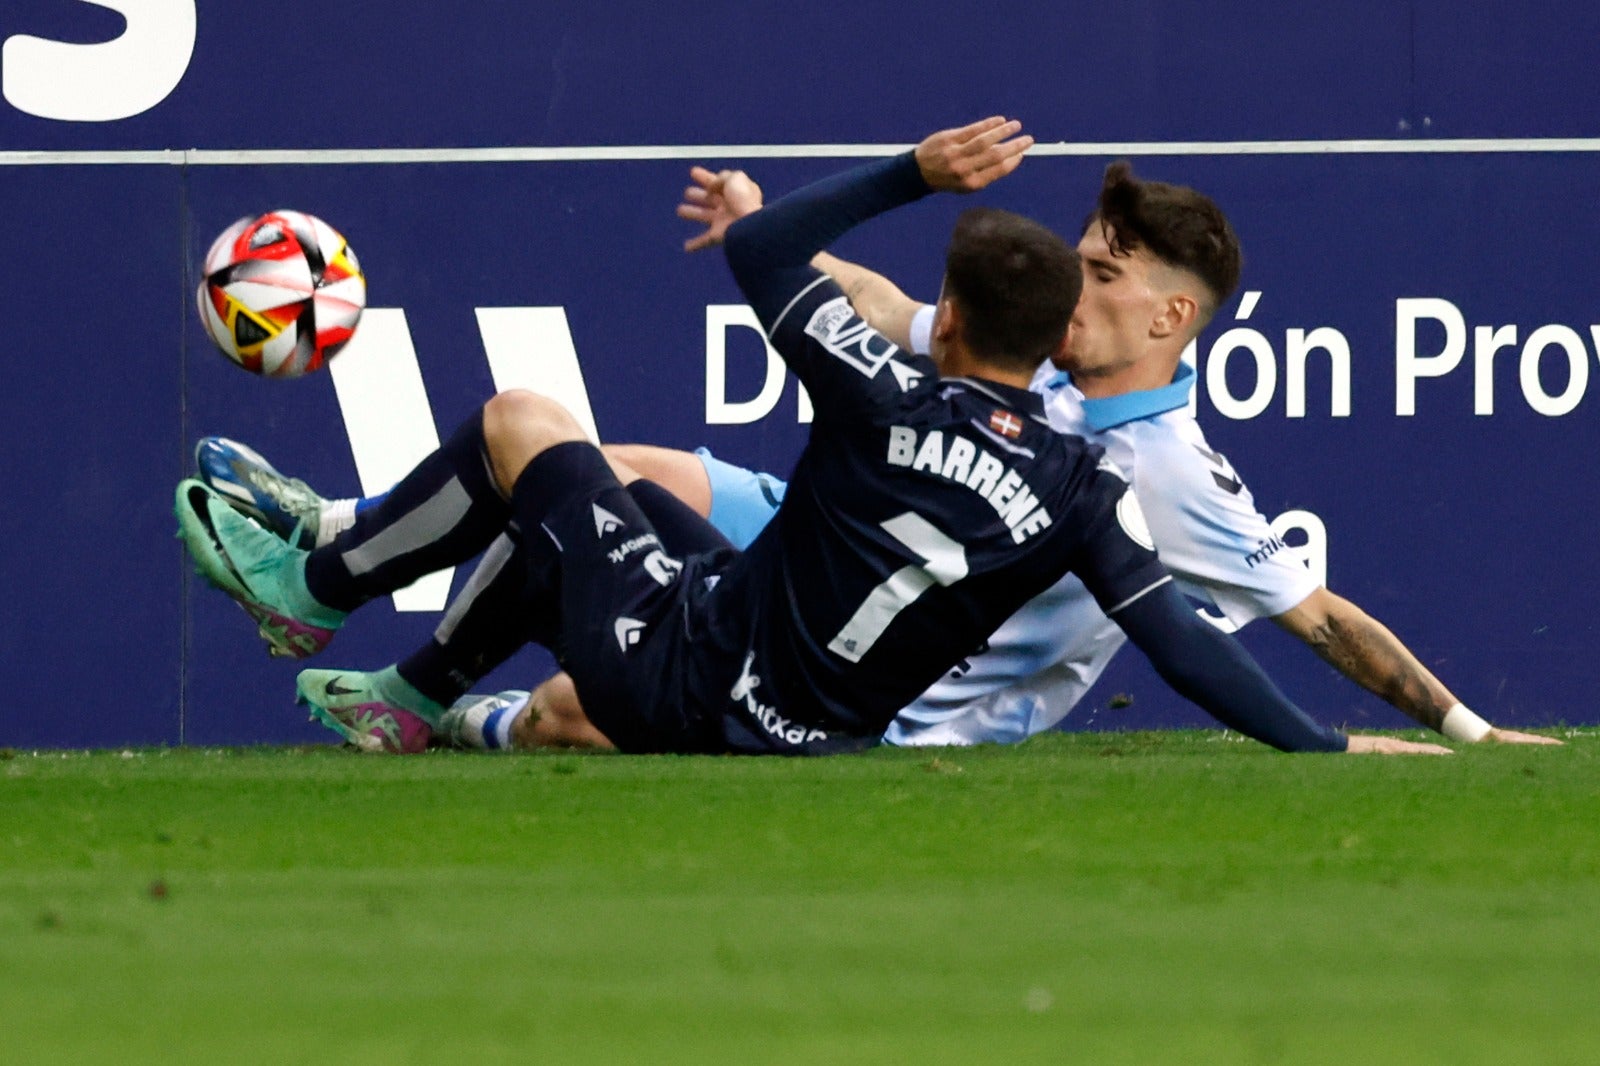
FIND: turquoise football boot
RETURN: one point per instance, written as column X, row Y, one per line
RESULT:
column 262, row 573
column 366, row 709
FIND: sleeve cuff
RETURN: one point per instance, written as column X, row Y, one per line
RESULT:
column 922, row 330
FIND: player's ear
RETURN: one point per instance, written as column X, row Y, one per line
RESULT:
column 1176, row 316
column 946, row 328
column 946, row 318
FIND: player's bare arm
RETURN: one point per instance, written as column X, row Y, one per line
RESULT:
column 876, row 299
column 1368, row 653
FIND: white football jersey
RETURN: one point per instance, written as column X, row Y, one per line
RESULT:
column 1221, row 550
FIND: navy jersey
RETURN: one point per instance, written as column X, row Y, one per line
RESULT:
column 922, row 513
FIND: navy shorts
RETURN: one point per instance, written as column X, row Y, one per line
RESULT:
column 626, row 591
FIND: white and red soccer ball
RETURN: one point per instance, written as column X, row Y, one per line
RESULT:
column 280, row 294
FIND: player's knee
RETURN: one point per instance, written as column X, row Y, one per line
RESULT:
column 521, row 412
column 518, row 425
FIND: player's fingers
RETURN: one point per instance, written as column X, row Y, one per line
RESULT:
column 702, row 177
column 694, row 194
column 996, row 164
column 1008, row 153
column 694, row 244
column 986, row 139
column 964, row 134
column 1004, row 158
column 948, row 145
column 695, row 213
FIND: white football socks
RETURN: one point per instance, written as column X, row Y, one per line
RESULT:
column 336, row 517
column 484, row 722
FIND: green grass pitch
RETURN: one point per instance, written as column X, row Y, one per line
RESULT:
column 1141, row 898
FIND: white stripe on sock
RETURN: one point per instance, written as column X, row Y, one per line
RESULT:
column 428, row 522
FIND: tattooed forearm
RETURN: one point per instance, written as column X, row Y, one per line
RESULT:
column 855, row 290
column 1366, row 652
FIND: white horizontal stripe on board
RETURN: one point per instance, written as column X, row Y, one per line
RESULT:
column 200, row 157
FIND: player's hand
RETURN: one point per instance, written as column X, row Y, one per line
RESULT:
column 969, row 158
column 1511, row 736
column 1361, row 744
column 717, row 200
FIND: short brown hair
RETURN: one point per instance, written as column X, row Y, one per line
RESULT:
column 1016, row 282
column 1179, row 226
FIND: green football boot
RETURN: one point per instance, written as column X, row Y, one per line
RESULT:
column 264, row 575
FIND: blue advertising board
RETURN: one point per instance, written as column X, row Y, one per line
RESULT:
column 1406, row 374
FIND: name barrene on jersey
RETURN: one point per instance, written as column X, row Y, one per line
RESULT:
column 965, row 463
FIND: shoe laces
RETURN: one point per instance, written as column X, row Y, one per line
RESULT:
column 290, row 494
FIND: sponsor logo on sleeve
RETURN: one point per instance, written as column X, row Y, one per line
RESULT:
column 835, row 326
column 1265, row 550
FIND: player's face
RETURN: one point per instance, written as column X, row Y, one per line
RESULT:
column 1111, row 327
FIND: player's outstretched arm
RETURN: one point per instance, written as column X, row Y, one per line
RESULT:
column 959, row 160
column 718, row 200
column 1368, row 653
column 795, row 228
column 1212, row 669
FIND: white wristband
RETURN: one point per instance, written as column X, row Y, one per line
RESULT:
column 922, row 330
column 1461, row 724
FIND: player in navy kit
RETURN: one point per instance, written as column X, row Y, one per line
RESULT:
column 922, row 513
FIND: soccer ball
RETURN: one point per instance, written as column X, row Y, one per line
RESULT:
column 281, row 294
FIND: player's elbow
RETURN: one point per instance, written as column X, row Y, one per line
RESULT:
column 741, row 246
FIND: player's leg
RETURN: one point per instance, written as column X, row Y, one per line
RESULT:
column 623, row 602
column 401, row 707
column 512, row 597
column 676, row 490
column 736, row 500
column 680, row 473
column 550, row 716
column 394, row 709
column 448, row 509
column 305, row 518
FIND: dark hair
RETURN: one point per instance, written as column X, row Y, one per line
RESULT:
column 1016, row 283
column 1180, row 227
